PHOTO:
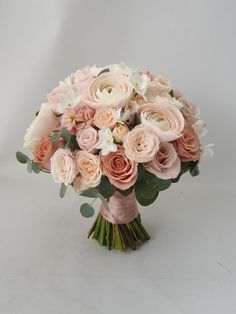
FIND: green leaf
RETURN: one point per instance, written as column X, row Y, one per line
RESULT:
column 175, row 180
column 22, row 158
column 126, row 192
column 141, row 171
column 36, row 167
column 55, row 137
column 29, row 166
column 72, row 143
column 37, row 113
column 104, row 71
column 65, row 134
column 86, row 210
column 63, row 190
column 106, row 188
column 161, row 184
column 171, row 93
column 137, row 119
column 185, row 166
column 195, row 172
column 94, row 193
column 145, row 191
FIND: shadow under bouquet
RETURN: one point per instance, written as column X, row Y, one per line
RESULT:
column 120, row 135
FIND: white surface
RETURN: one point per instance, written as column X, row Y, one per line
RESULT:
column 47, row 265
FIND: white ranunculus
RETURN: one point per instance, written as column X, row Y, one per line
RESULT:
column 63, row 167
column 41, row 126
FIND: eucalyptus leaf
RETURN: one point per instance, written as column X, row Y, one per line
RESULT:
column 36, row 167
column 63, row 189
column 106, row 188
column 29, row 166
column 195, row 172
column 161, row 184
column 65, row 134
column 104, row 71
column 22, row 158
column 55, row 137
column 137, row 119
column 126, row 192
column 86, row 210
column 94, row 193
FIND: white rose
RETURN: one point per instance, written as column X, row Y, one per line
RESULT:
column 63, row 168
column 42, row 125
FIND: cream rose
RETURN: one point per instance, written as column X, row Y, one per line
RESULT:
column 141, row 144
column 63, row 168
column 87, row 139
column 105, row 117
column 119, row 131
column 166, row 163
column 89, row 171
column 42, row 125
column 111, row 89
column 166, row 120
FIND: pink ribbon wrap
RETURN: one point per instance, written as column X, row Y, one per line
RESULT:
column 122, row 209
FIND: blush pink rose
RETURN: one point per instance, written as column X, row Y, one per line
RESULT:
column 188, row 145
column 111, row 89
column 141, row 144
column 166, row 163
column 63, row 168
column 89, row 171
column 105, row 117
column 121, row 171
column 44, row 150
column 165, row 120
column 87, row 139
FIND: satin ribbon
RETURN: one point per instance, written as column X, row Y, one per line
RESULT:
column 122, row 209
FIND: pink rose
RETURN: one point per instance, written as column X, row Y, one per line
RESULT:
column 111, row 89
column 166, row 120
column 166, row 163
column 119, row 131
column 105, row 117
column 63, row 168
column 121, row 171
column 45, row 122
column 188, row 145
column 44, row 150
column 88, row 169
column 141, row 144
column 87, row 139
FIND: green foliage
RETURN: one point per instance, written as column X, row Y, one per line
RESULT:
column 22, row 158
column 55, row 137
column 63, row 189
column 137, row 119
column 94, row 193
column 171, row 93
column 104, row 71
column 126, row 192
column 106, row 188
column 86, row 210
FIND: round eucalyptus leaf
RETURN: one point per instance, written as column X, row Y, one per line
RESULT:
column 86, row 210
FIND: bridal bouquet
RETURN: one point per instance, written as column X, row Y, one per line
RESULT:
column 120, row 135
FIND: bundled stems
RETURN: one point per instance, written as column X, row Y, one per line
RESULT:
column 118, row 236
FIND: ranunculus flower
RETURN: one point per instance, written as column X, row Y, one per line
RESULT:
column 188, row 145
column 121, row 171
column 141, row 144
column 77, row 118
column 166, row 163
column 43, row 124
column 87, row 139
column 111, row 89
column 119, row 131
column 166, row 120
column 44, row 150
column 89, row 171
column 63, row 168
column 63, row 97
column 105, row 117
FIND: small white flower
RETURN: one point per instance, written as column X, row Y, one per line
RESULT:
column 120, row 68
column 139, row 82
column 105, row 142
column 207, row 151
column 200, row 128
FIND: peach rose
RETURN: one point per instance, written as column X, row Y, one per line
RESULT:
column 89, row 171
column 188, row 145
column 119, row 131
column 166, row 163
column 105, row 117
column 43, row 124
column 121, row 171
column 63, row 168
column 87, row 139
column 166, row 120
column 44, row 150
column 141, row 144
column 111, row 89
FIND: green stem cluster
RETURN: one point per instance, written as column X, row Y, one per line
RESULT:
column 118, row 236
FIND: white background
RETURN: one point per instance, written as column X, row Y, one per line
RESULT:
column 47, row 265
